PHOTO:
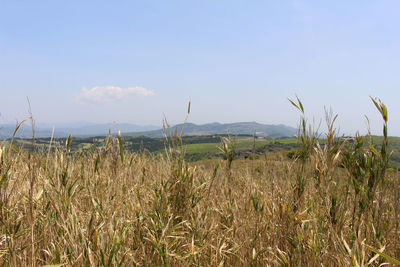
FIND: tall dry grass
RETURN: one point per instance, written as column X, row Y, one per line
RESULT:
column 109, row 207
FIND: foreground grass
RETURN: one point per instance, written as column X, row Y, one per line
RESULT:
column 105, row 208
column 334, row 203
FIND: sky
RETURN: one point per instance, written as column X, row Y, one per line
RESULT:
column 136, row 61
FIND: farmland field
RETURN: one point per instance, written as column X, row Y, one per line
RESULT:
column 95, row 202
column 200, row 147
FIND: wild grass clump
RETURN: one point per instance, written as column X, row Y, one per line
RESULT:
column 333, row 204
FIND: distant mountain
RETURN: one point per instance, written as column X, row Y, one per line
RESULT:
column 103, row 129
column 275, row 131
column 79, row 129
column 87, row 129
column 25, row 131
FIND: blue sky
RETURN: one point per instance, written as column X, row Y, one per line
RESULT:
column 132, row 61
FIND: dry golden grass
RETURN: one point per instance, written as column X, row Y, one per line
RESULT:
column 333, row 205
column 93, row 209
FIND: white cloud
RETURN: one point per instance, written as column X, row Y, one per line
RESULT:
column 110, row 93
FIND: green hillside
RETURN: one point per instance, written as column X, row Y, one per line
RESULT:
column 239, row 128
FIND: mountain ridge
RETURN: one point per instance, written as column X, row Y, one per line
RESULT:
column 80, row 129
column 127, row 129
column 248, row 128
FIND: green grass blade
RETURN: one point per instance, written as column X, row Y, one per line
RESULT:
column 387, row 257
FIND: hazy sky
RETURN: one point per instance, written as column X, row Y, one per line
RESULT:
column 132, row 61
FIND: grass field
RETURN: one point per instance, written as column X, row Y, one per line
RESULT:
column 241, row 144
column 105, row 209
column 333, row 203
column 200, row 147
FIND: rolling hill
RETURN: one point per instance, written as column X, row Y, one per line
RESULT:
column 190, row 129
column 81, row 129
column 247, row 128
